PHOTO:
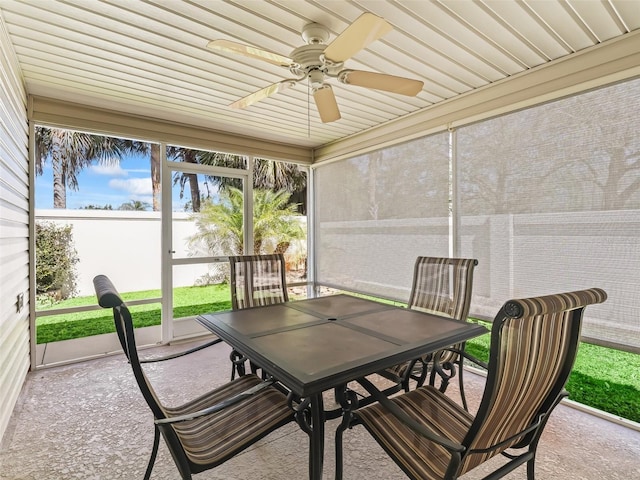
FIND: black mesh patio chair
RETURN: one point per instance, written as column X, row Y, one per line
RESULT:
column 256, row 281
column 441, row 286
column 533, row 348
column 212, row 428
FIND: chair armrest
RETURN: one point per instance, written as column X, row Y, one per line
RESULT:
column 181, row 354
column 218, row 406
column 468, row 356
column 401, row 415
column 475, row 360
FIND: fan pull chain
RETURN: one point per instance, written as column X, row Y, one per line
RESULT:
column 308, row 108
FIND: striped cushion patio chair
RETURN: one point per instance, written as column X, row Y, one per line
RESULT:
column 441, row 286
column 212, row 428
column 533, row 348
column 256, row 281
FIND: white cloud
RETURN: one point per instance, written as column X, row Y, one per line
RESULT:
column 113, row 170
column 135, row 186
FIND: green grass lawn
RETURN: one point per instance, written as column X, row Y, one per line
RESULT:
column 187, row 301
column 602, row 378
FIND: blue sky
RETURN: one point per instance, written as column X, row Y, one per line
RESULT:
column 101, row 185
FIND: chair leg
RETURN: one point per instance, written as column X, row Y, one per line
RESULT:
column 444, row 384
column 461, row 385
column 531, row 466
column 423, row 374
column 533, row 448
column 444, row 378
column 411, row 374
column 339, row 454
column 154, row 452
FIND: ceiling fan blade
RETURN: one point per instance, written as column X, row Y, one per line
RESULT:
column 366, row 29
column 326, row 104
column 381, row 81
column 263, row 93
column 249, row 51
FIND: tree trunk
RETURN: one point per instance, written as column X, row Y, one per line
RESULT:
column 282, row 247
column 59, row 183
column 190, row 157
column 155, row 176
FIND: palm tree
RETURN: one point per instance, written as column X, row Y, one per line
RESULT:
column 219, row 225
column 272, row 220
column 186, row 155
column 70, row 152
column 153, row 150
column 135, row 205
column 267, row 174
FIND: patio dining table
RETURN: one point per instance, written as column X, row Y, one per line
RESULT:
column 319, row 344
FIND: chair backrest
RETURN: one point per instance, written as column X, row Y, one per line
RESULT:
column 257, row 280
column 108, row 297
column 443, row 286
column 533, row 348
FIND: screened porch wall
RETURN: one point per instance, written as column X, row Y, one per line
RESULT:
column 549, row 200
column 374, row 213
column 546, row 198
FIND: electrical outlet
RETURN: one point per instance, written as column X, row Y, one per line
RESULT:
column 20, row 302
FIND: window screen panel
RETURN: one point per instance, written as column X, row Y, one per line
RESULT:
column 549, row 201
column 377, row 212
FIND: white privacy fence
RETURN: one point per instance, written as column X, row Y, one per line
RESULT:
column 519, row 256
column 124, row 245
column 537, row 254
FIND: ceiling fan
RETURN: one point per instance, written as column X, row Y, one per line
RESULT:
column 318, row 62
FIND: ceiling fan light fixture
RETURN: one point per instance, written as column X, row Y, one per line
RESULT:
column 316, row 79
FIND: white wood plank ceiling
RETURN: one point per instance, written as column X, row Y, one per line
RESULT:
column 150, row 58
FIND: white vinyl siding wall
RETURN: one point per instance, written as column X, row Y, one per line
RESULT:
column 14, row 231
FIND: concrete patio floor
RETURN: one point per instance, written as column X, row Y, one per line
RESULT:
column 88, row 421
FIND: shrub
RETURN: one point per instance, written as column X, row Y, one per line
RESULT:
column 56, row 258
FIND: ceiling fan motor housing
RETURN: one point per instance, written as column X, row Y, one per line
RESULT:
column 314, row 33
column 309, row 61
column 308, row 58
